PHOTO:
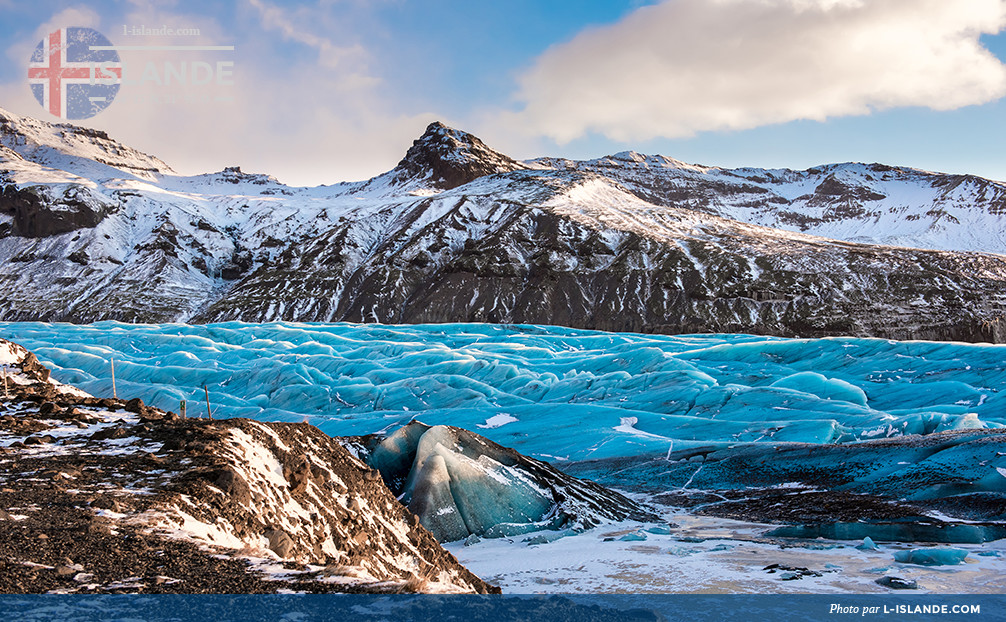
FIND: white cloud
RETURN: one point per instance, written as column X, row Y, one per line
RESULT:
column 285, row 21
column 82, row 16
column 687, row 66
column 20, row 51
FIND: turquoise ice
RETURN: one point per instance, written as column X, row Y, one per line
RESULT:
column 945, row 556
column 554, row 393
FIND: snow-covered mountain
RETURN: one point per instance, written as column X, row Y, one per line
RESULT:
column 91, row 229
column 868, row 203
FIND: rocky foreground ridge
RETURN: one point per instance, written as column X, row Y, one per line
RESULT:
column 458, row 232
column 106, row 495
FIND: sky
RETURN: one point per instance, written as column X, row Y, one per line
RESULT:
column 325, row 91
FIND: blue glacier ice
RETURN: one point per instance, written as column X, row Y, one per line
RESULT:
column 460, row 484
column 932, row 557
column 566, row 394
column 868, row 545
column 469, row 494
column 701, row 409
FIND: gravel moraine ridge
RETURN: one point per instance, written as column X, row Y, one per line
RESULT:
column 112, row 496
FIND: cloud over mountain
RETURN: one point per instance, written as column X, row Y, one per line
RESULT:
column 688, row 66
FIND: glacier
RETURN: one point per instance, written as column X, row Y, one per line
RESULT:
column 916, row 421
column 550, row 392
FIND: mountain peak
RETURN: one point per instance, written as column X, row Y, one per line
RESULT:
column 65, row 146
column 449, row 157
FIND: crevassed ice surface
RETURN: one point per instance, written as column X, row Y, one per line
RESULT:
column 551, row 392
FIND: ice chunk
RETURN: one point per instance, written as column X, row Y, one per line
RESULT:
column 460, row 483
column 546, row 537
column 394, row 456
column 867, row 545
column 931, row 557
column 484, row 491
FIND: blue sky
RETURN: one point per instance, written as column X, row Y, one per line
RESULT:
column 334, row 90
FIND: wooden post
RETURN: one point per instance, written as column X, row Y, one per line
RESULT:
column 209, row 413
column 115, row 394
column 182, row 409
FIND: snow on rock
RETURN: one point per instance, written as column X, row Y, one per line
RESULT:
column 11, row 353
column 284, row 502
column 293, row 493
column 870, row 203
column 86, row 152
column 23, row 369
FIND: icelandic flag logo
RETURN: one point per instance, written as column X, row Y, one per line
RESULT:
column 74, row 74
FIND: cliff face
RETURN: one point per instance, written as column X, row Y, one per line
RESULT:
column 107, row 495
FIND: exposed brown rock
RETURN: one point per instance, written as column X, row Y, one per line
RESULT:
column 111, row 532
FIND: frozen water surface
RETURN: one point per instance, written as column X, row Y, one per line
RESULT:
column 709, row 555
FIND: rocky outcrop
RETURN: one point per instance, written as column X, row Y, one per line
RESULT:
column 448, row 158
column 106, row 495
column 40, row 213
column 560, row 263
